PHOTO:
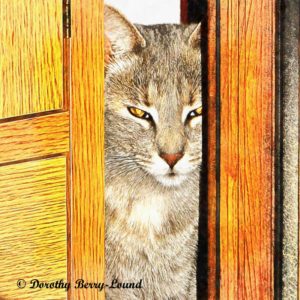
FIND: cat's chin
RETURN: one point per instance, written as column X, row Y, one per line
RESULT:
column 171, row 180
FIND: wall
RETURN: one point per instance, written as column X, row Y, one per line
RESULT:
column 149, row 12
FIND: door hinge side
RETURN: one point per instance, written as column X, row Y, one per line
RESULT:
column 67, row 19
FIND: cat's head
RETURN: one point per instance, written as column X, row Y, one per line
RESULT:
column 153, row 103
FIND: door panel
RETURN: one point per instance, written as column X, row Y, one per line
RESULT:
column 33, row 231
column 34, row 137
column 247, row 89
column 31, row 57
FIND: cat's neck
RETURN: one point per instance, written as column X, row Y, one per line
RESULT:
column 147, row 206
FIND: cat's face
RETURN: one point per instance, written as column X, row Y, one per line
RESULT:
column 153, row 107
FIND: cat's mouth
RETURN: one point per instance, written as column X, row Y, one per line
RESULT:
column 171, row 174
column 171, row 179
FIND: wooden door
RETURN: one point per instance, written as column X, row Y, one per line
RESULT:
column 51, row 147
column 240, row 151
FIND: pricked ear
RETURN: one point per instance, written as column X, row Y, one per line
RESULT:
column 194, row 39
column 120, row 35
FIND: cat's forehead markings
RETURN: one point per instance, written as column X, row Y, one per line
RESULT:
column 144, row 101
column 152, row 92
column 193, row 100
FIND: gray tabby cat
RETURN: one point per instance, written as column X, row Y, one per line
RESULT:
column 153, row 154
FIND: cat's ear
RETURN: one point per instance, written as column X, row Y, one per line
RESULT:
column 120, row 35
column 195, row 37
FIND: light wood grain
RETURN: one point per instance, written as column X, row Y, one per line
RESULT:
column 33, row 227
column 247, row 148
column 87, row 146
column 31, row 60
column 34, row 137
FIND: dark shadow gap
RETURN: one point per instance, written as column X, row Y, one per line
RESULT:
column 278, row 159
column 196, row 10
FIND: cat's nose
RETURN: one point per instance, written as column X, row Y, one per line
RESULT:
column 171, row 158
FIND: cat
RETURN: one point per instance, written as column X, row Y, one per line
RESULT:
column 153, row 155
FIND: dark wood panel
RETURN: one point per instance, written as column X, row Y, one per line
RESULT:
column 211, row 148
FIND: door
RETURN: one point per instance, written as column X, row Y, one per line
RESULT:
column 51, row 141
column 242, row 132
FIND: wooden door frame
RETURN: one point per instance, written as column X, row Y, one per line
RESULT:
column 86, row 258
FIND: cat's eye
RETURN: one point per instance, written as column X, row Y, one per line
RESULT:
column 195, row 113
column 139, row 113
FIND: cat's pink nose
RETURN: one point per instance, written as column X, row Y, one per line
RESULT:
column 171, row 158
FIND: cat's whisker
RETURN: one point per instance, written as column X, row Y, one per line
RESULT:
column 143, row 157
column 197, row 159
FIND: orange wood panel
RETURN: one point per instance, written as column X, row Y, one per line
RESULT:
column 34, row 137
column 33, row 240
column 31, row 60
column 87, row 146
column 211, row 147
column 247, row 148
column 229, row 180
